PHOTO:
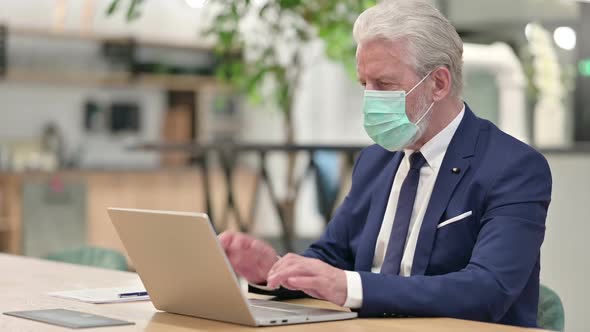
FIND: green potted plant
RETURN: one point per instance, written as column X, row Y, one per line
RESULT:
column 270, row 68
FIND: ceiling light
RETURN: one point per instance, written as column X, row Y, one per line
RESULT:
column 565, row 37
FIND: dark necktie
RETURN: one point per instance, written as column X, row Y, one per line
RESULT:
column 403, row 214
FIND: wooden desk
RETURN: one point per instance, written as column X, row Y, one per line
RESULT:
column 24, row 283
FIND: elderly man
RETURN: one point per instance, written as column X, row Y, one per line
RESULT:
column 446, row 214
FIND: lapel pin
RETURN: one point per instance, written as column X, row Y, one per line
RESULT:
column 456, row 170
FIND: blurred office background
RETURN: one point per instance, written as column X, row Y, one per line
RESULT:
column 126, row 110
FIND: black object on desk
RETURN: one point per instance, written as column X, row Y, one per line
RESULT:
column 134, row 294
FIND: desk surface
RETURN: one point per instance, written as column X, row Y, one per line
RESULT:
column 24, row 283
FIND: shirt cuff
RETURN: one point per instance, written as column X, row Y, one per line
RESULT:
column 354, row 285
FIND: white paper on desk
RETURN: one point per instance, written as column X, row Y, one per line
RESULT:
column 102, row 295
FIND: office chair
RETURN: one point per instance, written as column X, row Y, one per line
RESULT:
column 551, row 315
column 92, row 256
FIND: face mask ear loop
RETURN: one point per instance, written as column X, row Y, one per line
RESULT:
column 421, row 81
column 425, row 113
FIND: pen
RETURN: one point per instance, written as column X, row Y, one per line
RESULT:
column 124, row 295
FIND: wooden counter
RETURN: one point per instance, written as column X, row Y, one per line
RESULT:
column 175, row 190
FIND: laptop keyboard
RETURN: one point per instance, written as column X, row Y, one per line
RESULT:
column 279, row 312
column 273, row 308
column 271, row 313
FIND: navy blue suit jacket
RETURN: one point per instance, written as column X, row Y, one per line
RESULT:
column 485, row 267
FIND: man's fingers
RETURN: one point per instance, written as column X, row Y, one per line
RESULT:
column 299, row 267
column 258, row 246
column 278, row 264
column 265, row 264
column 303, row 282
column 313, row 293
column 225, row 239
column 283, row 272
column 286, row 285
column 276, row 278
column 288, row 259
column 291, row 265
column 309, row 285
column 249, row 257
column 265, row 255
column 240, row 242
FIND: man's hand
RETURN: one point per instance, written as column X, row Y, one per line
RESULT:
column 249, row 257
column 311, row 276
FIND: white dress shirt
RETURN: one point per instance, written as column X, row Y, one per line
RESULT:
column 434, row 152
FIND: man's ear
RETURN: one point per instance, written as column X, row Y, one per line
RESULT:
column 442, row 83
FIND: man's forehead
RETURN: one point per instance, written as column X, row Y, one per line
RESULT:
column 381, row 58
column 396, row 47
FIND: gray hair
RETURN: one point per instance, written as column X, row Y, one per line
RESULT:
column 432, row 40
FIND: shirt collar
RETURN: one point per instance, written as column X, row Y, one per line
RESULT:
column 435, row 149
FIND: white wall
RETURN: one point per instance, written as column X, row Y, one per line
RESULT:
column 329, row 104
column 485, row 13
column 171, row 20
column 328, row 111
column 26, row 108
column 174, row 21
column 565, row 265
column 328, row 97
column 327, row 94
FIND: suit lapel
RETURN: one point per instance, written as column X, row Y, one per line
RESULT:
column 458, row 155
column 379, row 200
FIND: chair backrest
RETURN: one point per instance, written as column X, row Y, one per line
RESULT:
column 92, row 256
column 551, row 314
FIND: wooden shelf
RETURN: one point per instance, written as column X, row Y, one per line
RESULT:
column 175, row 81
column 36, row 32
column 104, row 78
column 5, row 225
column 170, row 82
column 66, row 78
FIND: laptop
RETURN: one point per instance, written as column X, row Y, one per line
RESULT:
column 185, row 271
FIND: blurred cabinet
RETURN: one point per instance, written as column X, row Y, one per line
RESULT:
column 10, row 214
column 42, row 212
column 54, row 213
column 175, row 190
column 70, row 58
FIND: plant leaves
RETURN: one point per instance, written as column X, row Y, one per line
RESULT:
column 113, row 7
column 133, row 11
column 329, row 20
